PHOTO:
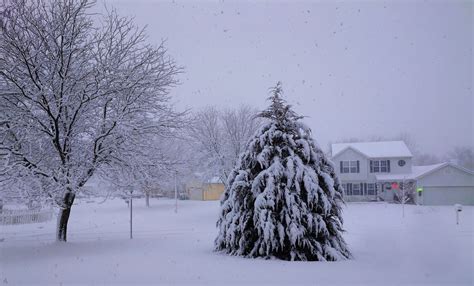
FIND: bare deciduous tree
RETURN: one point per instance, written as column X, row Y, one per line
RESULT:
column 77, row 98
column 462, row 156
column 238, row 126
column 425, row 159
column 405, row 192
column 220, row 136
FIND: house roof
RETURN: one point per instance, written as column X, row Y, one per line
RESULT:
column 379, row 149
column 418, row 172
column 215, row 180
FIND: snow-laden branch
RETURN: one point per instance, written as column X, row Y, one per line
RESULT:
column 77, row 97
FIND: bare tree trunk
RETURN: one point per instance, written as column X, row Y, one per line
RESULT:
column 147, row 199
column 63, row 217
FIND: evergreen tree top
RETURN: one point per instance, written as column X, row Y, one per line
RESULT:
column 279, row 110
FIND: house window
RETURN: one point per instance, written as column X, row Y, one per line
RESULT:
column 371, row 189
column 345, row 167
column 354, row 166
column 349, row 167
column 380, row 166
column 348, row 189
column 356, row 191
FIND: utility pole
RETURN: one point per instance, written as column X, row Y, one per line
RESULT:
column 403, row 197
column 175, row 192
column 131, row 212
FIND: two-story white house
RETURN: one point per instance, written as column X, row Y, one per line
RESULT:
column 373, row 171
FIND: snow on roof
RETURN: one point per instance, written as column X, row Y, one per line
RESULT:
column 417, row 172
column 214, row 180
column 379, row 149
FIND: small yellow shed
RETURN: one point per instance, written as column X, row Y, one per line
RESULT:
column 211, row 190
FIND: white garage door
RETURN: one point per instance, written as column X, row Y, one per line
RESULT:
column 448, row 195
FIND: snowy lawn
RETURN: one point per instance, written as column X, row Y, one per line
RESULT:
column 426, row 247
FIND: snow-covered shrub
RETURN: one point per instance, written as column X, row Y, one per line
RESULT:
column 283, row 199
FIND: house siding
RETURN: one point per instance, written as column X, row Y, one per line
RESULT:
column 351, row 155
column 204, row 191
column 396, row 169
column 365, row 176
column 438, row 195
column 213, row 192
column 447, row 176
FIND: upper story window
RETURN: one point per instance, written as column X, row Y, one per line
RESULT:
column 380, row 166
column 349, row 167
column 401, row 163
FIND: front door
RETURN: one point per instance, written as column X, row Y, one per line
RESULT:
column 384, row 192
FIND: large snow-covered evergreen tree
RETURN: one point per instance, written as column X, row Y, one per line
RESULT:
column 283, row 199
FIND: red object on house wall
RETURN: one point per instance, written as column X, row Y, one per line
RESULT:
column 395, row 185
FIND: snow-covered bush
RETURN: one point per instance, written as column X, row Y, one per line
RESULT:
column 283, row 199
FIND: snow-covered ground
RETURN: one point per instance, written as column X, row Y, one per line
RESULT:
column 425, row 247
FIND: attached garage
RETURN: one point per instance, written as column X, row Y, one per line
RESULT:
column 447, row 184
column 448, row 195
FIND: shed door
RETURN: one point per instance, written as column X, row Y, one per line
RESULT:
column 448, row 195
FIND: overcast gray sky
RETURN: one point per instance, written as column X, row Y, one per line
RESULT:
column 355, row 68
